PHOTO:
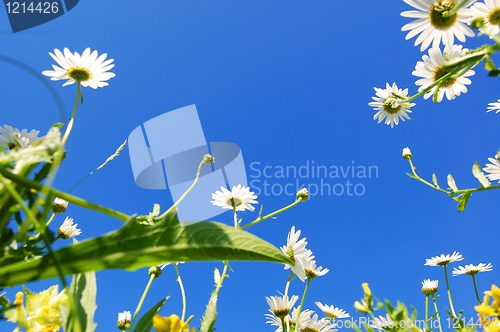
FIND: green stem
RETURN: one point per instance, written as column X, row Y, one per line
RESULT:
column 256, row 221
column 306, row 288
column 475, row 288
column 198, row 173
column 449, row 291
column 426, row 313
column 416, row 176
column 70, row 198
column 50, row 219
column 290, row 278
column 72, row 120
column 183, row 292
column 141, row 301
column 437, row 313
column 455, row 9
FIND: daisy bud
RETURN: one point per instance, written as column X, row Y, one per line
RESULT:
column 68, row 230
column 59, row 205
column 208, row 159
column 429, row 287
column 303, row 194
column 124, row 320
column 477, row 23
column 407, row 154
column 155, row 270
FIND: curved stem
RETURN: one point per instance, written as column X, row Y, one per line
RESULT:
column 256, row 221
column 290, row 278
column 72, row 119
column 306, row 288
column 475, row 288
column 437, row 313
column 449, row 292
column 183, row 292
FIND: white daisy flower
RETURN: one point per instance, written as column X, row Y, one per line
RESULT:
column 311, row 270
column 332, row 312
column 432, row 68
column 281, row 305
column 493, row 169
column 296, row 250
column 124, row 319
column 240, row 197
column 275, row 321
column 472, row 269
column 433, row 26
column 389, row 105
column 59, row 205
column 407, row 154
column 300, row 320
column 13, row 137
column 444, row 260
column 489, row 11
column 87, row 68
column 68, row 230
column 321, row 325
column 382, row 322
column 494, row 106
column 429, row 286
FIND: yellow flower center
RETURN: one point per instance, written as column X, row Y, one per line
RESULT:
column 79, row 74
column 391, row 105
column 309, row 329
column 280, row 313
column 494, row 17
column 437, row 14
column 439, row 72
column 234, row 201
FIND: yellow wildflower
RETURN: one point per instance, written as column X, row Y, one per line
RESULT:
column 170, row 324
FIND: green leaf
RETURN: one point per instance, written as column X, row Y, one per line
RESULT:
column 208, row 319
column 84, row 290
column 435, row 180
column 478, row 174
column 146, row 321
column 451, row 183
column 134, row 246
column 462, row 204
column 489, row 65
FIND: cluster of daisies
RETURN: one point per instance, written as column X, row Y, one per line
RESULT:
column 283, row 314
column 438, row 22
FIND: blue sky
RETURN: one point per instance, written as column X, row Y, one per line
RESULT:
column 289, row 82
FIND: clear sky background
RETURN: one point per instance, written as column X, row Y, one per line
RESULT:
column 289, row 82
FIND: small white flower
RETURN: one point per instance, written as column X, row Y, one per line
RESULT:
column 124, row 316
column 490, row 12
column 429, row 286
column 493, row 169
column 432, row 68
column 433, row 26
column 311, row 270
column 59, row 205
column 407, row 154
column 494, row 106
column 472, row 269
column 389, row 105
column 296, row 250
column 382, row 322
column 13, row 137
column 332, row 312
column 87, row 68
column 281, row 305
column 68, row 230
column 444, row 260
column 240, row 197
column 124, row 320
column 320, row 325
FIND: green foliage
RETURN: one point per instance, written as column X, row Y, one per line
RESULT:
column 83, row 293
column 146, row 322
column 134, row 246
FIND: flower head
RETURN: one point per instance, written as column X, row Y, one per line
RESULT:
column 493, row 169
column 124, row 320
column 472, row 269
column 87, row 68
column 296, row 250
column 317, row 325
column 444, row 260
column 433, row 25
column 494, row 106
column 303, row 194
column 390, row 105
column 59, row 205
column 382, row 322
column 487, row 309
column 239, row 197
column 332, row 312
column 310, row 267
column 170, row 324
column 13, row 137
column 429, row 286
column 407, row 154
column 432, row 68
column 281, row 305
column 68, row 230
column 489, row 12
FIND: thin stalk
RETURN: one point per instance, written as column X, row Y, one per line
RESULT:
column 475, row 288
column 290, row 277
column 141, row 301
column 437, row 314
column 449, row 291
column 424, row 181
column 256, row 221
column 306, row 288
column 426, row 313
column 73, row 114
column 183, row 292
column 198, row 173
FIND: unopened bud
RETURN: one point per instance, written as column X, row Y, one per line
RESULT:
column 208, row 159
column 303, row 194
column 124, row 320
column 477, row 23
column 59, row 205
column 155, row 270
column 407, row 154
